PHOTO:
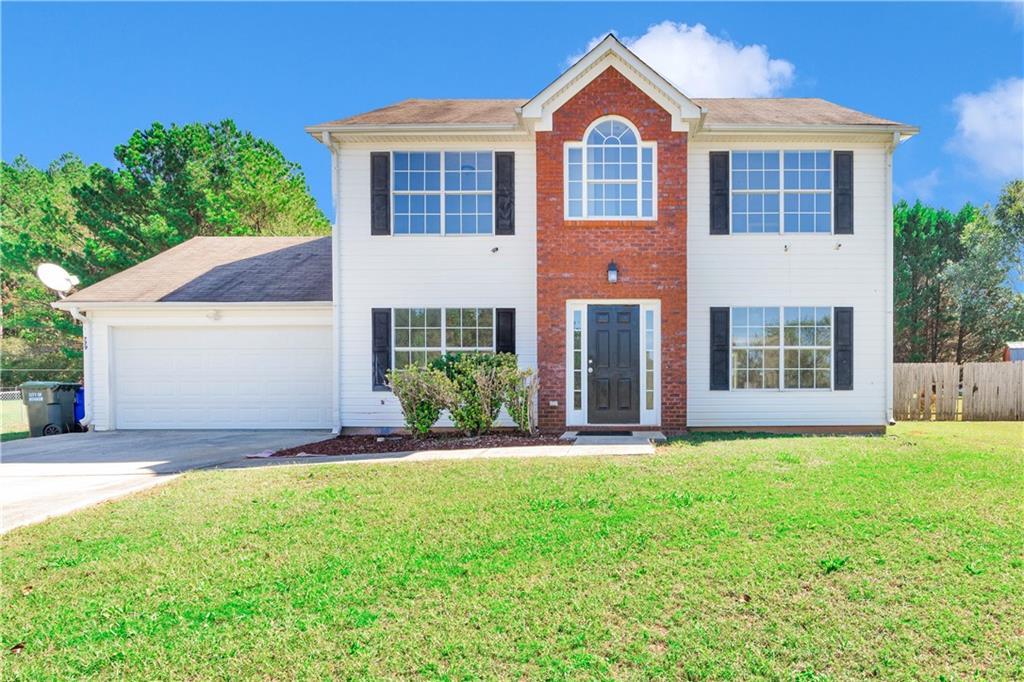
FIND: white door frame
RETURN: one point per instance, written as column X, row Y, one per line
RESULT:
column 650, row 316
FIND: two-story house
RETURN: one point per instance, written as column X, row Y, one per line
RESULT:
column 661, row 261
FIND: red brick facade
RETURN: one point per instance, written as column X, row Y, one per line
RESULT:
column 573, row 256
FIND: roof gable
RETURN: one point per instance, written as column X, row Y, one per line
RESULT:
column 610, row 52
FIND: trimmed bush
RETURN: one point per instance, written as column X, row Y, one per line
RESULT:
column 481, row 382
column 422, row 392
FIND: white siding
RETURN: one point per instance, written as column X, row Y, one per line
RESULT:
column 757, row 270
column 425, row 271
column 190, row 327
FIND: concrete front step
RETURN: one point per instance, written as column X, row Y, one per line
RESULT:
column 634, row 438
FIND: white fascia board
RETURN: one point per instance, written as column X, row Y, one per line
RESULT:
column 452, row 129
column 904, row 132
column 611, row 52
column 187, row 305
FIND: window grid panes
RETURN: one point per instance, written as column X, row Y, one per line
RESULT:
column 455, row 199
column 469, row 329
column 807, row 341
column 611, row 175
column 424, row 334
column 577, row 360
column 793, row 197
column 417, row 336
column 574, row 183
column 417, row 186
column 755, row 199
column 649, row 359
column 807, row 200
column 797, row 350
column 755, row 347
column 468, row 187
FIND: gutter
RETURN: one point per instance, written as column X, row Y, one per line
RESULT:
column 69, row 305
column 889, row 322
column 318, row 131
column 904, row 132
column 86, row 361
column 335, row 284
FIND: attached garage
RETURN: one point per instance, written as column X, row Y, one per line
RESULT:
column 217, row 333
column 221, row 377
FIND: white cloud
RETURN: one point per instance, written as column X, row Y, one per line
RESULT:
column 1017, row 8
column 990, row 129
column 703, row 65
column 922, row 187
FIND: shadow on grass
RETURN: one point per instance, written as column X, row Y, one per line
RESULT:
column 702, row 437
column 13, row 435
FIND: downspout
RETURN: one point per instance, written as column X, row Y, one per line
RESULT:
column 335, row 284
column 86, row 363
column 889, row 321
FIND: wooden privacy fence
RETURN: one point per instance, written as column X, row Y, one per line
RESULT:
column 945, row 391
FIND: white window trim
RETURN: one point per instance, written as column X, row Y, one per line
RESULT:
column 782, row 205
column 582, row 146
column 579, row 417
column 782, row 348
column 442, row 192
column 444, row 328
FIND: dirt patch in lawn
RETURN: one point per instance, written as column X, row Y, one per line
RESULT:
column 361, row 445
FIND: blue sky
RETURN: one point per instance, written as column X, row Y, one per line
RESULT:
column 81, row 77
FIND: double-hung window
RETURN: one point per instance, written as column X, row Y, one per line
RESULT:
column 610, row 174
column 425, row 334
column 443, row 192
column 788, row 347
column 781, row 191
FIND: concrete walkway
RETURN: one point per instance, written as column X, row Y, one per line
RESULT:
column 54, row 475
column 583, row 447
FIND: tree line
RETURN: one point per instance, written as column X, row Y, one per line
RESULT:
column 954, row 275
column 171, row 183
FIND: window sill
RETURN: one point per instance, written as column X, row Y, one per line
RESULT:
column 621, row 222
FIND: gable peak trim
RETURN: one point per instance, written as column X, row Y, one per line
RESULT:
column 611, row 53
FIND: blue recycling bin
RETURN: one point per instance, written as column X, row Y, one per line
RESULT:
column 80, row 404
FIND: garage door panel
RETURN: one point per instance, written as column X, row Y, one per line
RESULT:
column 225, row 377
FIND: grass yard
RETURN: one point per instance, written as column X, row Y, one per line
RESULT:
column 722, row 557
column 13, row 420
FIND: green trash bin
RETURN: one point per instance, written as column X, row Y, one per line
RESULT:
column 50, row 406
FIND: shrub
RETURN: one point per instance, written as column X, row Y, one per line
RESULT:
column 422, row 392
column 521, row 400
column 481, row 383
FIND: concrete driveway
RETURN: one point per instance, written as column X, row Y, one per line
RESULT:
column 44, row 477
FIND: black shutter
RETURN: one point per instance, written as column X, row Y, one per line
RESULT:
column 504, row 193
column 381, row 326
column 505, row 330
column 719, row 192
column 842, row 192
column 843, row 342
column 719, row 349
column 380, row 193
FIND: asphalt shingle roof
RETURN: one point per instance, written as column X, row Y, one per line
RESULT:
column 721, row 111
column 223, row 270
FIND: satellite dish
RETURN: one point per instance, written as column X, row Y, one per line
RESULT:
column 57, row 278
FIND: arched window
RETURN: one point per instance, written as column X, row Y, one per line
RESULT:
column 610, row 174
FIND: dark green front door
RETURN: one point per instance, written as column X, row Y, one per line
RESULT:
column 613, row 364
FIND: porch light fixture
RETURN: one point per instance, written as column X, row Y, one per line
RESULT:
column 613, row 273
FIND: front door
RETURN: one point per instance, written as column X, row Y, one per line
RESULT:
column 613, row 364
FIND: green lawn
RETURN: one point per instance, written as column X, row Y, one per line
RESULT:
column 719, row 558
column 13, row 420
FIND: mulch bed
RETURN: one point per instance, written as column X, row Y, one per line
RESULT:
column 361, row 445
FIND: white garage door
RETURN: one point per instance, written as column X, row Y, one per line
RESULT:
column 221, row 377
